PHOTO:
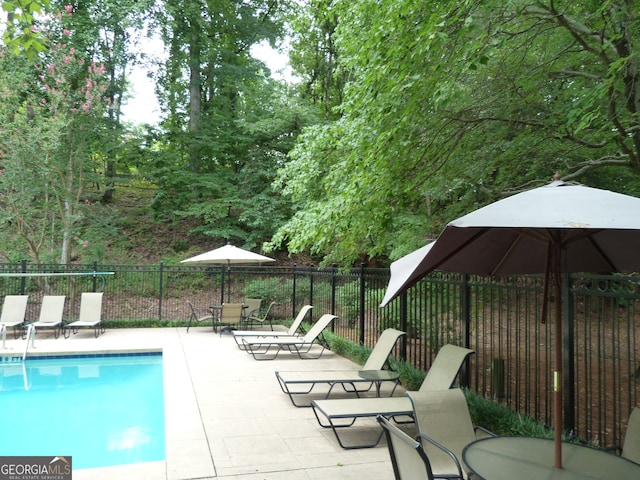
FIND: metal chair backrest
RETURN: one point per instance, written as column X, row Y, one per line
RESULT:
column 90, row 307
column 382, row 349
column 298, row 320
column 408, row 459
column 252, row 307
column 445, row 368
column 231, row 313
column 444, row 417
column 14, row 309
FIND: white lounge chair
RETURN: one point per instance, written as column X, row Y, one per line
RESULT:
column 291, row 332
column 51, row 312
column 303, row 382
column 90, row 315
column 262, row 347
column 14, row 311
column 343, row 412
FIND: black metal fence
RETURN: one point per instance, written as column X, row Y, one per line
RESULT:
column 499, row 319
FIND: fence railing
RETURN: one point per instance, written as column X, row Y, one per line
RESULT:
column 498, row 318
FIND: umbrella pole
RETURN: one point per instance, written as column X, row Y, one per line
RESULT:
column 557, row 374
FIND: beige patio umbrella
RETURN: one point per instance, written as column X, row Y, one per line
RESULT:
column 228, row 255
column 555, row 229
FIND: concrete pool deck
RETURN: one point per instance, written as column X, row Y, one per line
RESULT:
column 226, row 416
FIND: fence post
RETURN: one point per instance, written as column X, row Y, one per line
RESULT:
column 311, row 285
column 333, row 288
column 403, row 324
column 293, row 294
column 160, row 286
column 465, row 311
column 569, row 395
column 95, row 278
column 362, row 296
column 23, row 280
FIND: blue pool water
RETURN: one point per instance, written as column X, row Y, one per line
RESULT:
column 101, row 411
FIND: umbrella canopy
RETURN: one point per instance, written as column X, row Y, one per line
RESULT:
column 405, row 272
column 555, row 229
column 229, row 254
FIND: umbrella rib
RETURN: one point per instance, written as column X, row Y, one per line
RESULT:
column 506, row 255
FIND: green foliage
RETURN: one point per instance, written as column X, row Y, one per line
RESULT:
column 451, row 105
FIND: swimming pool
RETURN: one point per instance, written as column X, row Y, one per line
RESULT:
column 100, row 410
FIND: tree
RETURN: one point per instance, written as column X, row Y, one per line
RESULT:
column 48, row 118
column 228, row 125
column 454, row 104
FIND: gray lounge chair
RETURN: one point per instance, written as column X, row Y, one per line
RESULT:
column 291, row 332
column 408, row 458
column 261, row 348
column 338, row 414
column 14, row 310
column 51, row 312
column 90, row 315
column 303, row 382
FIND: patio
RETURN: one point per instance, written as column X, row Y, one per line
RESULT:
column 226, row 416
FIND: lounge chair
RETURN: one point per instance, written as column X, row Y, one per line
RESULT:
column 255, row 318
column 631, row 445
column 261, row 347
column 302, row 382
column 445, row 429
column 291, row 332
column 343, row 412
column 51, row 312
column 14, row 311
column 199, row 318
column 230, row 315
column 408, row 458
column 90, row 315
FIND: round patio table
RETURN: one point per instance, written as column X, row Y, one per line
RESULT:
column 498, row 458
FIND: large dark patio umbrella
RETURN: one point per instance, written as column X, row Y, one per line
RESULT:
column 555, row 229
column 228, row 255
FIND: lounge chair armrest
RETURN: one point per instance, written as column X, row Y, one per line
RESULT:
column 454, row 459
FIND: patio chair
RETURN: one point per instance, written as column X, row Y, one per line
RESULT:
column 251, row 308
column 408, row 458
column 338, row 414
column 90, row 315
column 261, row 347
column 51, row 312
column 230, row 315
column 14, row 311
column 198, row 317
column 291, row 332
column 444, row 428
column 254, row 318
column 303, row 382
